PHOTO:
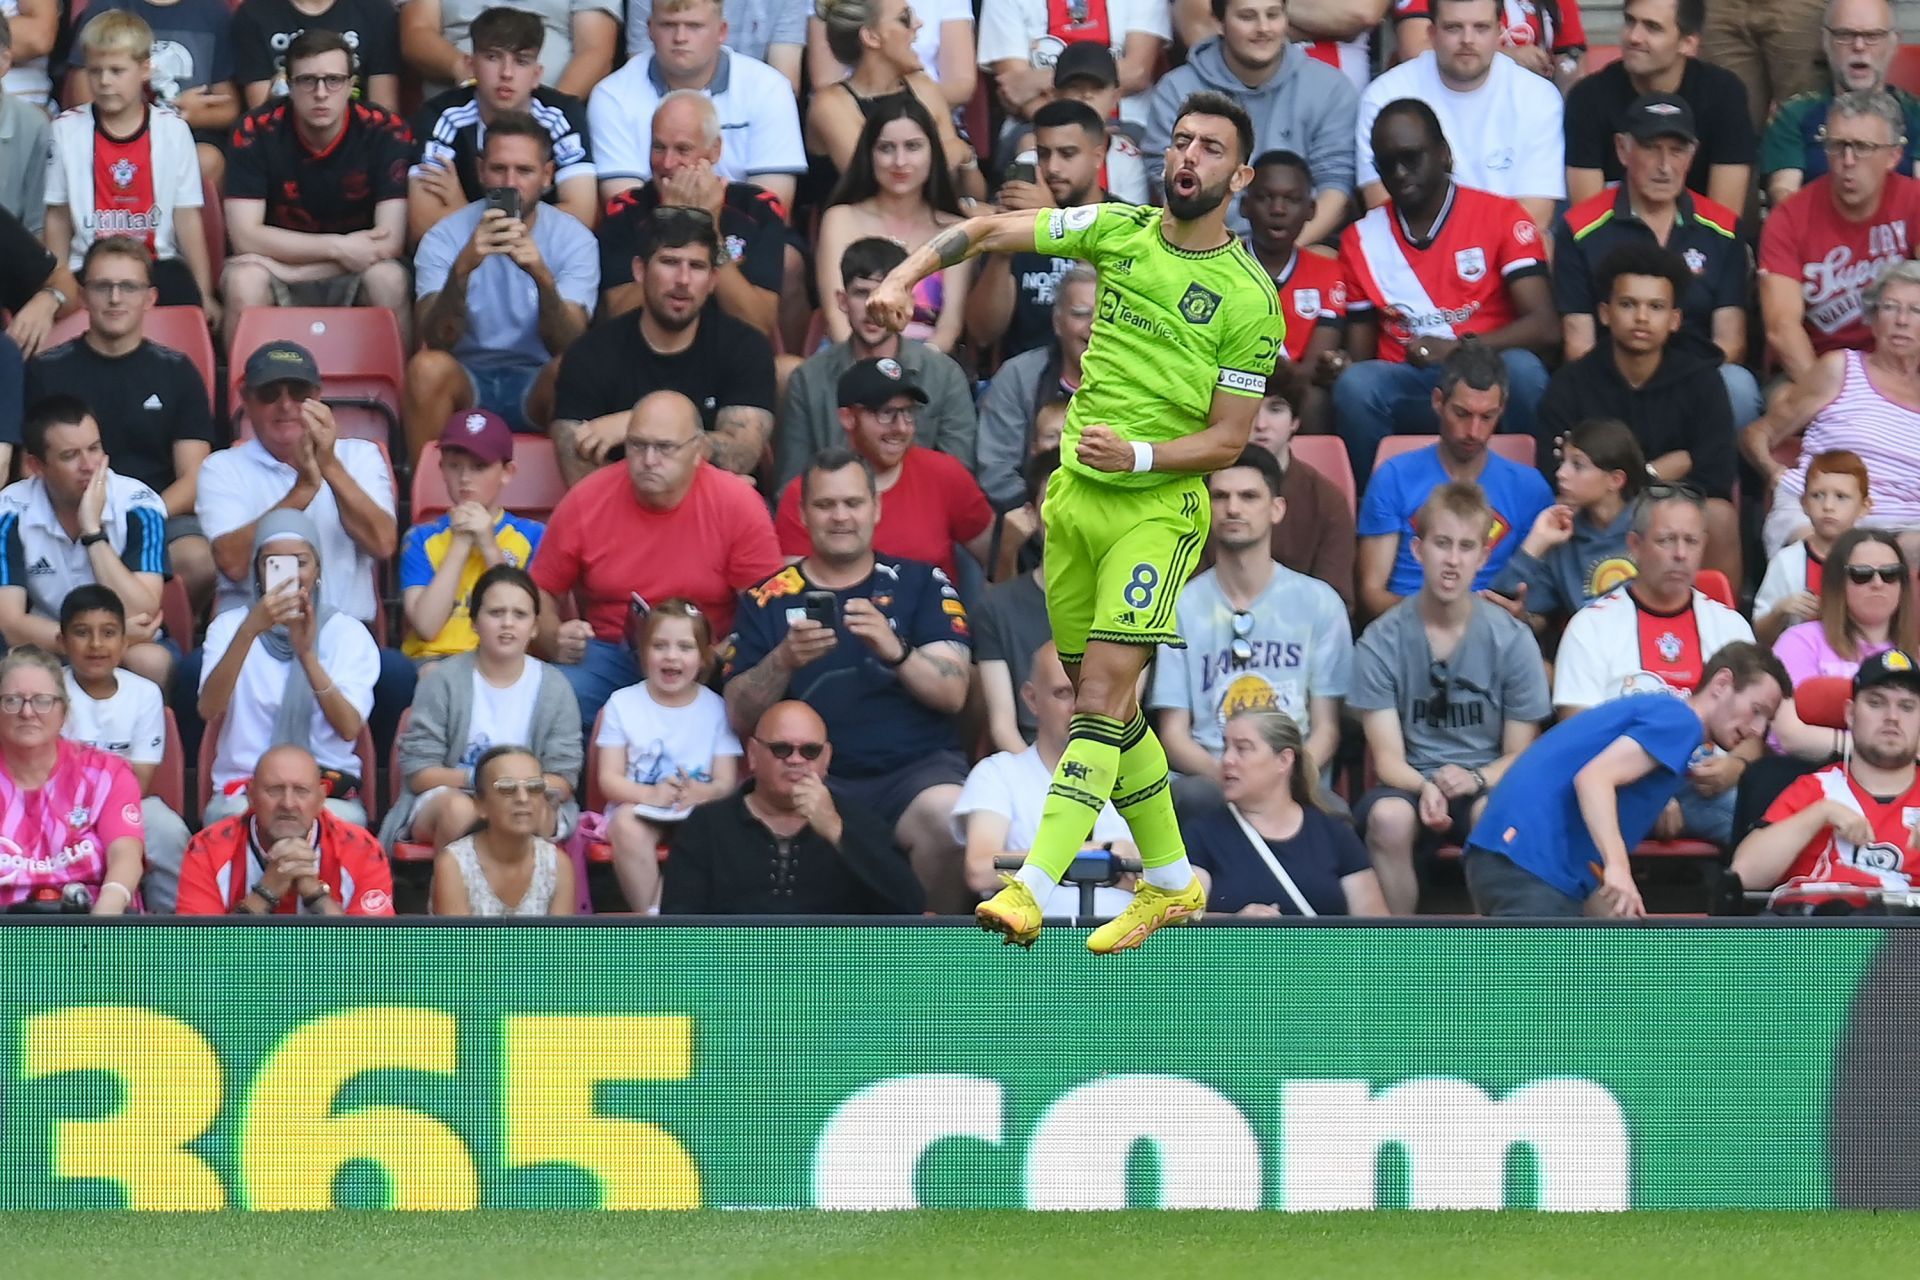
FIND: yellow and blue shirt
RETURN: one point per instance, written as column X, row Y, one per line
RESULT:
column 421, row 556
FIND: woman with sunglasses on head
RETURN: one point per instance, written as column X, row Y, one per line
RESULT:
column 1274, row 851
column 664, row 745
column 1866, row 402
column 878, row 40
column 70, row 815
column 472, row 702
column 897, row 186
column 504, row 867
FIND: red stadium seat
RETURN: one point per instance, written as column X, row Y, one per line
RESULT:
column 1714, row 586
column 182, row 328
column 363, row 747
column 1679, row 849
column 170, row 779
column 1328, row 456
column 533, row 490
column 1821, row 701
column 1601, row 55
column 176, row 613
column 1514, row 448
column 1905, row 71
column 362, row 364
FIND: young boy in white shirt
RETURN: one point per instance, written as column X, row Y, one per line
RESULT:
column 117, row 711
column 1835, row 500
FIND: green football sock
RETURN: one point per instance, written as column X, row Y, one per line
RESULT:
column 1081, row 784
column 1143, row 794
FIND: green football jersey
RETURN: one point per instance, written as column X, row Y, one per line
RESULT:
column 1170, row 328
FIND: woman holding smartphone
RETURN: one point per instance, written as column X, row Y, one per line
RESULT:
column 289, row 670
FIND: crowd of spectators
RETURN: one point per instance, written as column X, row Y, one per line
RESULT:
column 670, row 555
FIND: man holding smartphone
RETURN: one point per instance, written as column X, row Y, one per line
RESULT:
column 503, row 286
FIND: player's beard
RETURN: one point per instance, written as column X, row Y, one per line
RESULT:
column 1199, row 204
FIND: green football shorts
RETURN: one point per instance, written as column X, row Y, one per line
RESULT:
column 1117, row 558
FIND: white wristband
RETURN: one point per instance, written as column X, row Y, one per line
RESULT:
column 1142, row 456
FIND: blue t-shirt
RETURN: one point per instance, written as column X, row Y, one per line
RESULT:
column 1533, row 816
column 1323, row 851
column 874, row 722
column 191, row 48
column 1517, row 495
column 503, row 302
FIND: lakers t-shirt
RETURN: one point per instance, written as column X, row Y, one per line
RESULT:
column 420, row 558
column 1170, row 328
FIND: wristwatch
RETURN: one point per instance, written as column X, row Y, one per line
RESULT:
column 88, row 539
column 59, row 297
column 906, row 651
column 1479, row 780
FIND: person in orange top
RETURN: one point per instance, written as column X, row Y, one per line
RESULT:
column 286, row 854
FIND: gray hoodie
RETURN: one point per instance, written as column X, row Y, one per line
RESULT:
column 1305, row 106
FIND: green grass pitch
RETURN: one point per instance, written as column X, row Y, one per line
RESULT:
column 931, row 1244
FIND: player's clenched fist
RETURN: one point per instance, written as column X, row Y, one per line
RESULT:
column 891, row 305
column 1102, row 450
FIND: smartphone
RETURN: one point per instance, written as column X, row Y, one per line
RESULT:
column 821, row 607
column 278, row 570
column 1024, row 170
column 505, row 199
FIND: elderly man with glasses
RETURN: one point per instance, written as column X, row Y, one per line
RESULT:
column 1861, row 41
column 668, row 523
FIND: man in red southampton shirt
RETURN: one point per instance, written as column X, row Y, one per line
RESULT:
column 1313, row 288
column 286, row 854
column 1851, row 824
column 928, row 500
column 1831, row 238
column 1434, row 264
column 662, row 523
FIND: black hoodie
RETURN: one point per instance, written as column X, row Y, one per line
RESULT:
column 1682, row 406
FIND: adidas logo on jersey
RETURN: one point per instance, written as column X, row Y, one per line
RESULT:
column 40, row 567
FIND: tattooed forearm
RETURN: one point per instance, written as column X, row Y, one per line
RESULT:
column 953, row 245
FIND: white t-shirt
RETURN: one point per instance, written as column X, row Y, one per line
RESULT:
column 352, row 662
column 241, row 484
column 759, row 120
column 659, row 740
column 132, row 724
column 174, row 182
column 1786, row 575
column 1015, row 787
column 934, row 15
column 1601, row 652
column 501, row 715
column 28, row 78
column 1018, row 29
column 1506, row 135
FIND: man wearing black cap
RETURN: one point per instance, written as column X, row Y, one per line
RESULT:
column 1856, row 822
column 929, row 502
column 1658, row 43
column 1085, row 72
column 1656, row 146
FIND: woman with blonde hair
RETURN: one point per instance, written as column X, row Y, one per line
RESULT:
column 876, row 39
column 1274, row 850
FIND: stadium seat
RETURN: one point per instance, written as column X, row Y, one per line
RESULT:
column 1601, row 55
column 363, row 747
column 176, row 613
column 1905, row 71
column 1328, row 456
column 1518, row 449
column 170, row 779
column 362, row 364
column 1821, row 701
column 1714, row 586
column 182, row 328
column 534, row 489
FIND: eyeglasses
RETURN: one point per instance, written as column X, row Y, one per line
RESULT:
column 1896, row 310
column 14, row 703
column 1861, row 574
column 785, row 750
column 662, row 449
column 519, row 786
column 331, row 83
column 1242, row 646
column 893, row 415
column 111, row 289
column 1857, row 149
column 1848, row 35
column 272, row 392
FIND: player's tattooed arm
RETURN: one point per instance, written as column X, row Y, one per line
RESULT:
column 952, row 245
column 1009, row 232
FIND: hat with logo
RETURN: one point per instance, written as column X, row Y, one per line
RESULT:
column 1895, row 666
column 871, row 383
column 280, row 362
column 480, row 432
column 1659, row 115
column 1086, row 60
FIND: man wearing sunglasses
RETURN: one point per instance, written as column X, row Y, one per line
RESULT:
column 1827, row 242
column 1450, row 689
column 287, row 854
column 1259, row 636
column 785, row 844
column 1656, row 631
